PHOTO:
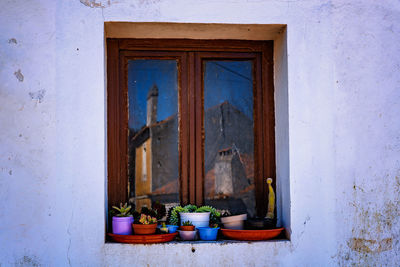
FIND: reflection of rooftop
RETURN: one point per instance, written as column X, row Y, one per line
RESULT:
column 144, row 128
column 226, row 104
column 163, row 121
column 247, row 189
column 169, row 188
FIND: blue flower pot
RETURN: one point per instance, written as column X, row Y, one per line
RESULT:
column 172, row 228
column 207, row 233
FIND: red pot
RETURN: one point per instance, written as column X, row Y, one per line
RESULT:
column 144, row 229
column 187, row 228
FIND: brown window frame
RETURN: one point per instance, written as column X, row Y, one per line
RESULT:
column 189, row 54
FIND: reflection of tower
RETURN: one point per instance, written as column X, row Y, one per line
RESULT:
column 152, row 98
column 144, row 154
column 223, row 172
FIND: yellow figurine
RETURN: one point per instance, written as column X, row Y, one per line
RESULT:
column 164, row 228
column 271, row 200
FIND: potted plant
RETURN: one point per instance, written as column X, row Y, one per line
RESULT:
column 187, row 226
column 208, row 233
column 187, row 231
column 122, row 219
column 233, row 221
column 200, row 217
column 170, row 228
column 146, row 224
column 157, row 209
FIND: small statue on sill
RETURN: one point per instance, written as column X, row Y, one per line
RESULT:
column 271, row 200
column 269, row 221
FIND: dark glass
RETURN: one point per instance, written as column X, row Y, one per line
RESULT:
column 229, row 136
column 153, row 132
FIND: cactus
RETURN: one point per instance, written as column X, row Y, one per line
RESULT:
column 173, row 214
column 214, row 214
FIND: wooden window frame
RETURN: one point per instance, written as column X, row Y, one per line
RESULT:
column 189, row 54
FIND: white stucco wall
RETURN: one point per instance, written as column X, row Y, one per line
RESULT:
column 343, row 97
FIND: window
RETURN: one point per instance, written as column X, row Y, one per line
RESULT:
column 190, row 121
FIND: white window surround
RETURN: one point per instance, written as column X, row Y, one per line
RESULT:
column 276, row 32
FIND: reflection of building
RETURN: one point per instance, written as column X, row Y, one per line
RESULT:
column 223, row 173
column 229, row 145
column 229, row 161
column 154, row 163
column 230, row 176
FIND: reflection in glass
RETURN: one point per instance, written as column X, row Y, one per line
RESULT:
column 153, row 132
column 229, row 136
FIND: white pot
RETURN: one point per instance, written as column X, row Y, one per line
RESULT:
column 234, row 222
column 198, row 219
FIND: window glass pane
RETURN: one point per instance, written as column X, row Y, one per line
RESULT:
column 229, row 136
column 153, row 132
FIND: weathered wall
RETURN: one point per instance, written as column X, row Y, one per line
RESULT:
column 343, row 60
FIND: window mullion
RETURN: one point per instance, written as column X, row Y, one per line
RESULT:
column 192, row 128
column 184, row 140
column 199, row 129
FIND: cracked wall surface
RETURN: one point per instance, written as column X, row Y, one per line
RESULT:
column 343, row 97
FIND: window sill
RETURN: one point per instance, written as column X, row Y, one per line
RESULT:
column 197, row 253
column 199, row 242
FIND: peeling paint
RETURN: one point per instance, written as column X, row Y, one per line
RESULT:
column 19, row 75
column 39, row 95
column 12, row 41
column 92, row 3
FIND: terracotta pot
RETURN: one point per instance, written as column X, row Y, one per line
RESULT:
column 234, row 222
column 187, row 228
column 144, row 229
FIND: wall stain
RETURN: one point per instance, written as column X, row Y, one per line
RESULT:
column 148, row 2
column 39, row 95
column 28, row 261
column 370, row 246
column 375, row 224
column 12, row 41
column 19, row 75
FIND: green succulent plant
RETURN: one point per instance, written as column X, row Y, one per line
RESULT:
column 173, row 214
column 214, row 225
column 214, row 214
column 187, row 223
column 190, row 208
column 173, row 217
column 123, row 210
